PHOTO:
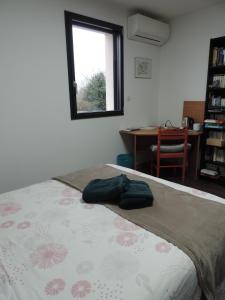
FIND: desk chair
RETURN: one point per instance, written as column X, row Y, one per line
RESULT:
column 170, row 151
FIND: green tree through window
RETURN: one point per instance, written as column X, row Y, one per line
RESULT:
column 95, row 92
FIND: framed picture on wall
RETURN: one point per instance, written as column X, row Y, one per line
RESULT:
column 143, row 67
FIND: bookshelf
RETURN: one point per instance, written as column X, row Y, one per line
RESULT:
column 213, row 150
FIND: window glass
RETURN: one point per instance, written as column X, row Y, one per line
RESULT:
column 93, row 69
column 95, row 66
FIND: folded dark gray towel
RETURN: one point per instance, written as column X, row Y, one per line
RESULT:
column 102, row 190
column 136, row 194
column 127, row 193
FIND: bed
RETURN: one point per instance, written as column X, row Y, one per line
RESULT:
column 55, row 246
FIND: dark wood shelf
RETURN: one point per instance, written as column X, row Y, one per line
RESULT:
column 216, row 163
column 217, row 68
column 213, row 112
column 214, row 128
column 211, row 177
column 216, row 89
column 219, row 147
column 219, row 180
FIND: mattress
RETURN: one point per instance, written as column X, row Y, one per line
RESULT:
column 55, row 246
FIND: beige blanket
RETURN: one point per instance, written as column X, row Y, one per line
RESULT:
column 195, row 225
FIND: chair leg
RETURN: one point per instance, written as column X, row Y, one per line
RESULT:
column 185, row 162
column 183, row 172
column 151, row 163
column 174, row 171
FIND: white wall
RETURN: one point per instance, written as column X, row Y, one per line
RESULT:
column 37, row 138
column 184, row 60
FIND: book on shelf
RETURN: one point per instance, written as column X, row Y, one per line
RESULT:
column 216, row 101
column 208, row 154
column 218, row 56
column 214, row 56
column 210, row 121
column 209, row 172
column 215, row 142
column 222, row 171
column 214, row 123
column 218, row 81
column 216, row 110
column 214, row 126
column 222, row 102
column 219, row 155
column 217, row 134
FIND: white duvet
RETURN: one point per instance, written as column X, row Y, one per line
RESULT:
column 54, row 246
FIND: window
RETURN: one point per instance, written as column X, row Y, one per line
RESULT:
column 95, row 66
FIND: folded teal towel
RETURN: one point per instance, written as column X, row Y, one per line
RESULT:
column 137, row 194
column 102, row 190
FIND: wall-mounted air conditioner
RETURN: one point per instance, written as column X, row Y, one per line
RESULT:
column 147, row 30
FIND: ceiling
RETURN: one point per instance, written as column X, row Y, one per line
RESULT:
column 165, row 9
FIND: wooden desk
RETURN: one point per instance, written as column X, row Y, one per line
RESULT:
column 152, row 133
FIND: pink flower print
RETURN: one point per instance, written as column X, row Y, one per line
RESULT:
column 124, row 224
column 24, row 225
column 9, row 208
column 6, row 224
column 126, row 239
column 66, row 201
column 48, row 255
column 163, row 247
column 81, row 289
column 55, row 286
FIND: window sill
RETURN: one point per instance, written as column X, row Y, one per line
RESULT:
column 96, row 115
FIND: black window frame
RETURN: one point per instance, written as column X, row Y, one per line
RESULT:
column 118, row 73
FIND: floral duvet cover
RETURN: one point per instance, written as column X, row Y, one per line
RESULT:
column 55, row 246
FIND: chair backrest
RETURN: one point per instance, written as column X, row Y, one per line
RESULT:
column 177, row 152
column 172, row 135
